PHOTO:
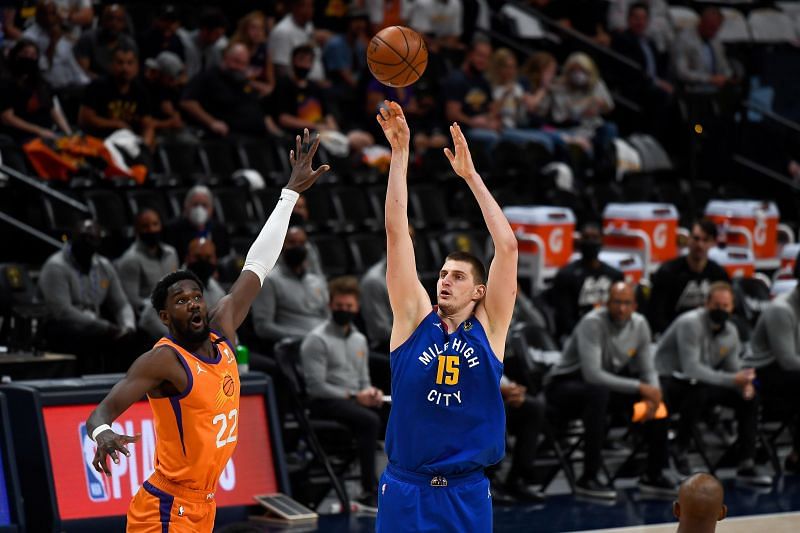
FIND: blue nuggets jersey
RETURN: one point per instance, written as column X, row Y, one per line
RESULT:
column 447, row 414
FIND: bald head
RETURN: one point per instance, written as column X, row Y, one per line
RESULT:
column 236, row 58
column 621, row 302
column 700, row 503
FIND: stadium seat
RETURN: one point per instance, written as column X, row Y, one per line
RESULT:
column 182, row 160
column 108, row 209
column 60, row 217
column 217, row 158
column 472, row 241
column 333, row 254
column 683, row 17
column 265, row 201
column 234, row 208
column 427, row 208
column 140, row 199
column 260, row 155
column 355, row 211
column 366, row 249
column 19, row 307
column 771, row 26
column 734, row 27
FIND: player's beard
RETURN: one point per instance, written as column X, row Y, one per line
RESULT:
column 193, row 336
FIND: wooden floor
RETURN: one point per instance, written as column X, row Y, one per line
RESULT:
column 772, row 523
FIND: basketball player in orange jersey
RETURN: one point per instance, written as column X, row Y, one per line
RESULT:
column 191, row 380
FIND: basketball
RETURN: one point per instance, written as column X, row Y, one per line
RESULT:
column 397, row 56
column 228, row 386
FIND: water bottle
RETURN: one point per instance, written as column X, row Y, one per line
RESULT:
column 243, row 358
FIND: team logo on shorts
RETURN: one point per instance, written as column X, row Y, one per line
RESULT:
column 227, row 388
column 96, row 483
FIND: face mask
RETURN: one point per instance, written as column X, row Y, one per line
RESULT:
column 238, row 76
column 203, row 269
column 342, row 318
column 295, row 256
column 151, row 239
column 590, row 250
column 579, row 78
column 719, row 316
column 301, row 73
column 82, row 252
column 198, row 215
column 26, row 66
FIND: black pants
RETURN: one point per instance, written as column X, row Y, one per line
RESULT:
column 692, row 399
column 96, row 353
column 525, row 423
column 781, row 388
column 572, row 397
column 365, row 423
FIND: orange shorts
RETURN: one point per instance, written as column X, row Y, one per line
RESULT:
column 161, row 506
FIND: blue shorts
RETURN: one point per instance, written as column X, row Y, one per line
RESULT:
column 408, row 502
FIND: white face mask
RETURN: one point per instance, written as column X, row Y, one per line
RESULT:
column 579, row 78
column 198, row 215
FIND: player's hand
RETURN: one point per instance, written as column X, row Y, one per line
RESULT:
column 301, row 158
column 461, row 161
column 394, row 125
column 108, row 444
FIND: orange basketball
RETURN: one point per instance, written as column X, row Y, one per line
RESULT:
column 228, row 386
column 397, row 56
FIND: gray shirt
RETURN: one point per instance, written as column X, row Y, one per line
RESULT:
column 79, row 299
column 140, row 271
column 601, row 350
column 695, row 60
column 288, row 305
column 335, row 364
column 375, row 306
column 689, row 349
column 777, row 334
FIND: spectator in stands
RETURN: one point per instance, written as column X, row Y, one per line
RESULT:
column 700, row 504
column 385, row 13
column 201, row 258
column 162, row 34
column 539, row 71
column 580, row 98
column 659, row 28
column 376, row 311
column 9, row 32
column 584, row 284
column 141, row 267
column 585, row 16
column 699, row 57
column 222, row 100
column 606, row 367
column 164, row 79
column 95, row 48
column 299, row 102
column 440, row 19
column 345, row 59
column 335, row 362
column 299, row 218
column 294, row 300
column 197, row 221
column 75, row 16
column 469, row 96
column 297, row 29
column 775, row 355
column 57, row 62
column 682, row 284
column 252, row 32
column 118, row 102
column 699, row 361
column 204, row 46
column 525, row 416
column 635, row 44
column 88, row 313
column 26, row 100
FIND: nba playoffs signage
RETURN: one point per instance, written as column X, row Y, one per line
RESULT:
column 82, row 492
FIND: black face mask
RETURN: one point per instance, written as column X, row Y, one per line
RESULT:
column 150, row 239
column 342, row 318
column 236, row 76
column 301, row 73
column 26, row 66
column 83, row 251
column 203, row 269
column 590, row 250
column 719, row 316
column 295, row 256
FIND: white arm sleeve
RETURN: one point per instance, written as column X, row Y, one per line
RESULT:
column 267, row 247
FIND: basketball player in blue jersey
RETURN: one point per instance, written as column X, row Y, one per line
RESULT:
column 447, row 422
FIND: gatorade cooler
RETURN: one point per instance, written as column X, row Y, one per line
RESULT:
column 782, row 286
column 658, row 221
column 737, row 262
column 630, row 265
column 789, row 257
column 759, row 218
column 554, row 225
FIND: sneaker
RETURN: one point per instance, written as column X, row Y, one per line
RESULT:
column 523, row 492
column 594, row 488
column 659, row 486
column 753, row 476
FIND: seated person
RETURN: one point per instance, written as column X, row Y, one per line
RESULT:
column 26, row 100
column 88, row 312
column 164, row 78
column 197, row 221
column 142, row 266
column 95, row 48
column 699, row 360
column 377, row 312
column 299, row 102
column 606, row 367
column 222, row 100
column 335, row 360
column 294, row 300
column 345, row 60
column 252, row 32
column 698, row 56
column 700, row 504
column 203, row 47
column 119, row 101
column 201, row 258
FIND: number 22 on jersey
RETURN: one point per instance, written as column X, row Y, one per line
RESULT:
column 223, row 419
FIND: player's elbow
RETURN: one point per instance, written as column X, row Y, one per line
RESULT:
column 507, row 246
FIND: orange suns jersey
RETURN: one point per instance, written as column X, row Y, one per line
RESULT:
column 196, row 431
